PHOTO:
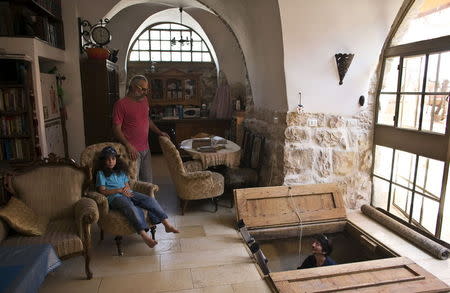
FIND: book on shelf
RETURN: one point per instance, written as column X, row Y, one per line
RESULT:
column 15, row 149
column 12, row 99
column 13, row 125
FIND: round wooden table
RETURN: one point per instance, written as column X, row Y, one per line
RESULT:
column 229, row 156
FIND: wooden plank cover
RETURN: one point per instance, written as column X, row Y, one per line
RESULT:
column 398, row 274
column 276, row 206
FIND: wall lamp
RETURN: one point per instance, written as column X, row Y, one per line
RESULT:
column 343, row 62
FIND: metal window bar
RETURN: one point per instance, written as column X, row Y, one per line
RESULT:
column 170, row 29
column 427, row 47
column 424, row 87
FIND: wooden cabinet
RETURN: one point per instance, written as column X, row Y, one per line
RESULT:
column 35, row 18
column 100, row 84
column 18, row 133
column 175, row 87
column 237, row 127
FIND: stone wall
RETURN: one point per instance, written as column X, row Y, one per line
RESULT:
column 338, row 149
column 271, row 125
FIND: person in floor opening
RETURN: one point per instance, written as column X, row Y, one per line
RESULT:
column 131, row 125
column 321, row 249
column 112, row 181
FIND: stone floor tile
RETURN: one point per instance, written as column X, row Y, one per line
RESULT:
column 259, row 286
column 197, row 219
column 185, row 232
column 55, row 283
column 148, row 282
column 182, row 260
column 224, row 275
column 214, row 242
column 439, row 268
column 134, row 246
column 124, row 265
column 214, row 289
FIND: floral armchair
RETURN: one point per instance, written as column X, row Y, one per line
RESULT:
column 111, row 221
column 53, row 189
column 190, row 185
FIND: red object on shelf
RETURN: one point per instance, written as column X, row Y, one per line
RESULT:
column 97, row 53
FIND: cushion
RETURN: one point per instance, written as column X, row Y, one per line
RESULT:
column 61, row 234
column 22, row 219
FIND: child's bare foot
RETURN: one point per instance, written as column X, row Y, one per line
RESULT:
column 148, row 240
column 170, row 228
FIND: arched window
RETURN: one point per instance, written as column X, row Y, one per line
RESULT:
column 169, row 42
column 412, row 133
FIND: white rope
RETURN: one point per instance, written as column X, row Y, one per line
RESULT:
column 297, row 212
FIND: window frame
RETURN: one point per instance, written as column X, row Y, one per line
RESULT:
column 171, row 51
column 416, row 141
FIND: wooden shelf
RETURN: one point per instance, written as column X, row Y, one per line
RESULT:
column 50, row 8
column 13, row 85
column 34, row 18
column 15, row 136
column 13, row 113
column 175, row 87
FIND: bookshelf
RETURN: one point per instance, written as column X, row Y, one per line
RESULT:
column 33, row 18
column 17, row 121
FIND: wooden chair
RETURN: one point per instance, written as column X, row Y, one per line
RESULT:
column 247, row 175
column 111, row 221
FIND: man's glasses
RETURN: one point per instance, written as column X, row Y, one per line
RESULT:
column 145, row 90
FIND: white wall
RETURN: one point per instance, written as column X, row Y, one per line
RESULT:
column 313, row 31
column 257, row 27
column 225, row 44
column 72, row 84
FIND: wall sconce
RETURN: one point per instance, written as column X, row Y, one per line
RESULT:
column 343, row 62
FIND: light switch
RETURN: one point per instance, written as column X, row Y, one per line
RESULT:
column 312, row 122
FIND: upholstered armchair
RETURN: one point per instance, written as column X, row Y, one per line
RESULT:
column 54, row 190
column 111, row 221
column 190, row 185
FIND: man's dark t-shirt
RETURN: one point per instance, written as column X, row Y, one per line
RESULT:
column 310, row 262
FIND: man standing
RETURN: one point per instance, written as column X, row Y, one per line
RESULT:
column 131, row 125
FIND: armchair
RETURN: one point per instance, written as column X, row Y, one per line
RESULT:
column 53, row 189
column 190, row 185
column 111, row 221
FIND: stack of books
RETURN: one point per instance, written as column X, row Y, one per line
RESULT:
column 201, row 142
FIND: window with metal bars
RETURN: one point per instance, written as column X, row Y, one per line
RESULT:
column 169, row 42
column 411, row 136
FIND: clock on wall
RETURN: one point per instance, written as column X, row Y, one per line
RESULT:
column 97, row 35
column 100, row 35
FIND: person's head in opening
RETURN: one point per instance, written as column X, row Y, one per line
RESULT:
column 321, row 249
column 321, row 245
column 110, row 162
column 138, row 88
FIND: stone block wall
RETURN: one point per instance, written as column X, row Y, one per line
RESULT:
column 271, row 125
column 337, row 150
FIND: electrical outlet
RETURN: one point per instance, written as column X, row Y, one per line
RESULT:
column 312, row 122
